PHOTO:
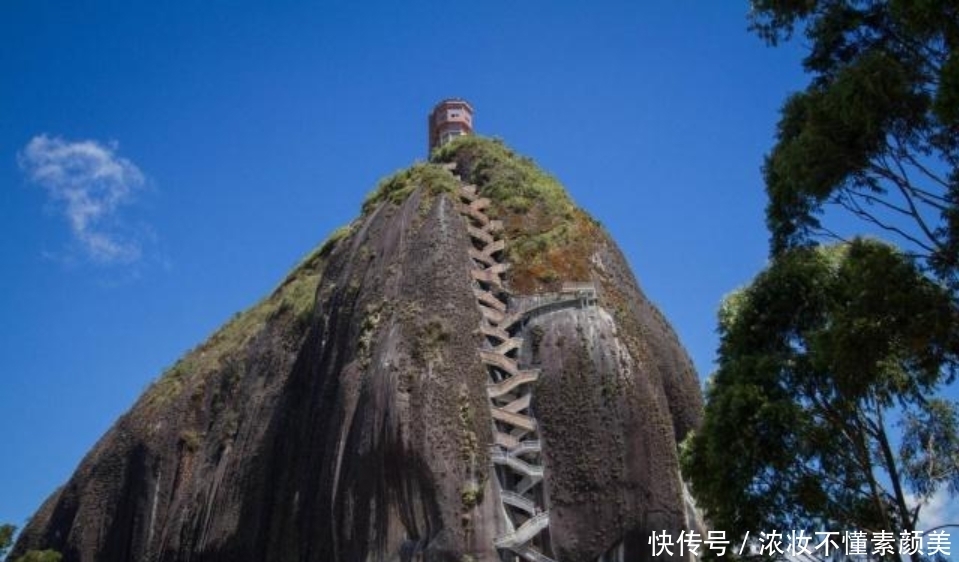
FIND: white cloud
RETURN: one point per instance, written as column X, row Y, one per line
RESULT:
column 939, row 509
column 89, row 184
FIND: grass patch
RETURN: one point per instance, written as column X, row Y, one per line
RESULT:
column 371, row 323
column 396, row 188
column 430, row 339
column 471, row 495
column 469, row 442
column 549, row 240
column 512, row 181
column 190, row 440
column 327, row 246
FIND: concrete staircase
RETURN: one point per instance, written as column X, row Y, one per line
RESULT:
column 516, row 455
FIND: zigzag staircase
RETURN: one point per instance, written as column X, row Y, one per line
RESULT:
column 516, row 453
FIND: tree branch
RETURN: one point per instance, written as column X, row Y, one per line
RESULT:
column 904, row 187
column 855, row 208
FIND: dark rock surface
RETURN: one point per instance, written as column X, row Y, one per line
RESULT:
column 345, row 417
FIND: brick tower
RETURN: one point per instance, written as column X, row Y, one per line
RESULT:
column 450, row 118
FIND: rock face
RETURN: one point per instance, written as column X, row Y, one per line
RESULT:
column 347, row 417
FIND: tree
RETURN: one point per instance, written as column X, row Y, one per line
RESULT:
column 825, row 411
column 6, row 538
column 6, row 541
column 876, row 132
column 818, row 358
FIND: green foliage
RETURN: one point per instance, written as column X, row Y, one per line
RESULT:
column 829, row 344
column 40, row 556
column 6, row 538
column 876, row 132
column 429, row 341
column 294, row 296
column 930, row 449
column 190, row 439
column 471, row 495
column 513, row 182
column 469, row 442
column 371, row 322
column 327, row 246
column 6, row 541
column 548, row 239
column 814, row 356
column 396, row 188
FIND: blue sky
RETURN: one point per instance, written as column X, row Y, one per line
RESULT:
column 162, row 165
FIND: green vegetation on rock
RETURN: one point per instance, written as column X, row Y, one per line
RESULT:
column 469, row 442
column 6, row 538
column 294, row 296
column 327, row 246
column 191, row 439
column 375, row 313
column 6, row 541
column 471, row 495
column 397, row 187
column 549, row 240
column 513, row 182
column 40, row 556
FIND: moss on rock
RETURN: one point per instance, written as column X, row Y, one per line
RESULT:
column 549, row 240
column 397, row 187
column 295, row 295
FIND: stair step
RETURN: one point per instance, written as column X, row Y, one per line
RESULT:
column 479, row 216
column 487, row 276
column 503, row 387
column 516, row 420
column 494, row 332
column 488, row 299
column 508, row 345
column 480, row 234
column 482, row 257
column 518, row 405
column 524, row 534
column 499, row 360
column 480, row 203
column 495, row 246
